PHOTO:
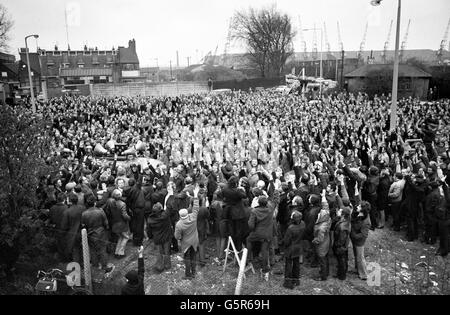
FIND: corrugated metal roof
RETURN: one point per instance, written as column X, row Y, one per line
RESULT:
column 86, row 72
column 403, row 71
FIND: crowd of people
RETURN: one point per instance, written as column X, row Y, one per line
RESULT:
column 279, row 174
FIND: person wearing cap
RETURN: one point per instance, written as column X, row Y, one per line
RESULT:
column 94, row 220
column 187, row 235
column 135, row 279
column 159, row 227
column 341, row 228
column 293, row 250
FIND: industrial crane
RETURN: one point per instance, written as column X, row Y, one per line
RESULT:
column 314, row 50
column 363, row 43
column 386, row 43
column 227, row 44
column 444, row 42
column 302, row 39
column 405, row 41
column 340, row 43
column 214, row 57
column 327, row 43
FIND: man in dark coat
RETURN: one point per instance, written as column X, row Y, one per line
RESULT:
column 261, row 224
column 293, row 244
column 433, row 202
column 56, row 216
column 136, row 205
column 369, row 194
column 383, row 196
column 414, row 198
column 311, row 216
column 234, row 207
column 341, row 230
column 443, row 215
column 202, row 226
column 284, row 215
column 135, row 279
column 95, row 222
column 160, row 229
column 71, row 224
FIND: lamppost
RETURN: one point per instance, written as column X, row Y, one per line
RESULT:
column 393, row 122
column 321, row 57
column 33, row 103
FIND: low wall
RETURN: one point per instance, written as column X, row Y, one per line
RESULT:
column 149, row 89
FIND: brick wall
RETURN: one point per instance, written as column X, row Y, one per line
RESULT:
column 148, row 89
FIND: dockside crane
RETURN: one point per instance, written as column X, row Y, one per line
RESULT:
column 302, row 38
column 405, row 41
column 443, row 43
column 386, row 43
column 363, row 42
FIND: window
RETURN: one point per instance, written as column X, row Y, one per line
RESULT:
column 56, row 53
column 87, row 53
column 81, row 66
column 405, row 84
column 65, row 65
column 102, row 52
column 43, row 53
column 73, row 53
column 4, row 74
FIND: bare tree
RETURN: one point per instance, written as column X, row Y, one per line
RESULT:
column 6, row 25
column 268, row 35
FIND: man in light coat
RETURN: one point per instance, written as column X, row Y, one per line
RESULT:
column 396, row 195
column 321, row 239
column 187, row 235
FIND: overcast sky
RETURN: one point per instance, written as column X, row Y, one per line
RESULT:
column 194, row 27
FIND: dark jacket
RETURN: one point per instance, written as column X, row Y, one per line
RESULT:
column 202, row 224
column 116, row 211
column 414, row 196
column 283, row 215
column 233, row 203
column 383, row 192
column 261, row 224
column 159, row 227
column 293, row 240
column 341, row 236
column 95, row 222
column 310, row 220
column 56, row 215
column 137, row 288
column 359, row 230
column 71, row 224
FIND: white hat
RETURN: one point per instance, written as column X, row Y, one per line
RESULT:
column 184, row 214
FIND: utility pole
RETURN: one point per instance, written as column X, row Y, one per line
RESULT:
column 171, row 76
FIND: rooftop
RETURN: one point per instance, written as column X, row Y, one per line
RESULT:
column 404, row 71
